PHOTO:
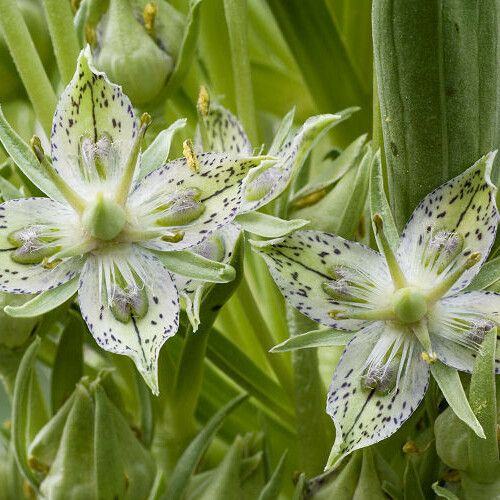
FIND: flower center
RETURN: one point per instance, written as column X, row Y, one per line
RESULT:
column 410, row 304
column 104, row 218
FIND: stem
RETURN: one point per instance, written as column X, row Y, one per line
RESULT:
column 264, row 336
column 314, row 429
column 236, row 17
column 28, row 63
column 63, row 36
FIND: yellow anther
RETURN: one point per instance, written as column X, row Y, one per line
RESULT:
column 203, row 104
column 428, row 357
column 173, row 237
column 410, row 448
column 90, row 35
column 190, row 155
column 149, row 16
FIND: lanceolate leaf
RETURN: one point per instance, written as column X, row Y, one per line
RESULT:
column 449, row 383
column 488, row 275
column 324, row 337
column 272, row 489
column 178, row 481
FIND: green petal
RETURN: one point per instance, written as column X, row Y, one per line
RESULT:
column 156, row 155
column 90, row 106
column 218, row 182
column 221, row 132
column 304, row 261
column 364, row 416
column 463, row 207
column 140, row 338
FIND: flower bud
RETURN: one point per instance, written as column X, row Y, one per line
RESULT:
column 127, row 53
column 88, row 450
column 451, row 440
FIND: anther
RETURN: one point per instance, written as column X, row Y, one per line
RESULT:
column 190, row 155
column 149, row 15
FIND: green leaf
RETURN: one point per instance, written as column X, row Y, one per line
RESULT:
column 298, row 492
column 186, row 465
column 451, row 387
column 67, row 369
column 268, row 226
column 45, row 301
column 20, row 410
column 271, row 490
column 412, row 486
column 157, row 153
column 195, row 266
column 379, row 203
column 484, row 465
column 8, row 191
column 187, row 50
column 438, row 92
column 282, row 133
column 323, row 337
column 488, row 275
column 351, row 215
column 25, row 159
column 442, row 492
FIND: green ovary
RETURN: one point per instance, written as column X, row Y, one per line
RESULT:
column 410, row 305
column 104, row 218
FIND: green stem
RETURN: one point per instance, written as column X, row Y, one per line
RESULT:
column 264, row 337
column 28, row 63
column 64, row 39
column 236, row 17
column 314, row 429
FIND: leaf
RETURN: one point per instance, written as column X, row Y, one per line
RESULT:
column 488, row 275
column 282, row 133
column 268, row 226
column 442, row 492
column 379, row 203
column 20, row 408
column 187, row 50
column 451, row 387
column 298, row 492
column 412, row 486
column 45, row 301
column 193, row 265
column 271, row 490
column 186, row 465
column 439, row 109
column 25, row 159
column 323, row 337
column 157, row 153
column 67, row 369
column 484, row 465
column 8, row 191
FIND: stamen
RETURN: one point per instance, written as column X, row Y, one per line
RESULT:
column 422, row 333
column 449, row 280
column 69, row 194
column 367, row 314
column 398, row 278
column 131, row 164
column 203, row 104
column 190, row 155
column 149, row 16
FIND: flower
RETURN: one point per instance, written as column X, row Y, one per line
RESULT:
column 219, row 130
column 106, row 227
column 408, row 312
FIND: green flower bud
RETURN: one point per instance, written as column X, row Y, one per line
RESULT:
column 14, row 331
column 128, row 54
column 88, row 450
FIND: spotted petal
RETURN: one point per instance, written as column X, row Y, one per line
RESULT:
column 321, row 272
column 458, row 324
column 271, row 180
column 27, row 220
column 217, row 186
column 219, row 247
column 221, row 132
column 365, row 416
column 141, row 336
column 455, row 220
column 92, row 107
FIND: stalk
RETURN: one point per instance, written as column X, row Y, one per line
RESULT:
column 63, row 36
column 28, row 63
